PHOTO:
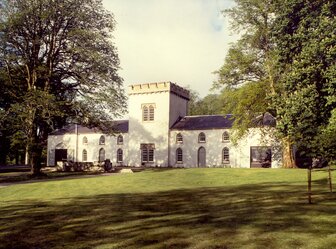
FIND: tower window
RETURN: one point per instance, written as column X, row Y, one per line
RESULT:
column 148, row 111
column 147, row 152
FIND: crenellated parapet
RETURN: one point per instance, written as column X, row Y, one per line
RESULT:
column 158, row 87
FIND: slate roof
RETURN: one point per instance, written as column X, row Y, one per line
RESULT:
column 118, row 125
column 204, row 122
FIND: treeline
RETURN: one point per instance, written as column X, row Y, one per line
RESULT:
column 284, row 64
column 58, row 64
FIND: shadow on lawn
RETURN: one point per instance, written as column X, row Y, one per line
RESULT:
column 253, row 216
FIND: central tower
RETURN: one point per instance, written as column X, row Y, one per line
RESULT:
column 153, row 109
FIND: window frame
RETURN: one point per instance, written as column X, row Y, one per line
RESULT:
column 101, row 152
column 85, row 140
column 179, row 138
column 120, row 140
column 201, row 135
column 225, row 137
column 147, row 153
column 84, row 155
column 226, row 155
column 120, row 153
column 102, row 140
column 179, row 155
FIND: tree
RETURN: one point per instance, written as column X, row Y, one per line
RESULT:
column 249, row 77
column 304, row 32
column 61, row 64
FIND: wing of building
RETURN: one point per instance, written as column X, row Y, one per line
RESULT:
column 160, row 134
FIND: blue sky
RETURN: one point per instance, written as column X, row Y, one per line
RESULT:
column 181, row 41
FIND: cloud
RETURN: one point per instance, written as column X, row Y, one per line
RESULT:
column 171, row 40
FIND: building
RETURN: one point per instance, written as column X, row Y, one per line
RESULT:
column 160, row 134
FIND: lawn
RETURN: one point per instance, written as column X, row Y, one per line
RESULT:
column 181, row 208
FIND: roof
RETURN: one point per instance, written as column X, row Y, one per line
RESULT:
column 204, row 122
column 118, row 126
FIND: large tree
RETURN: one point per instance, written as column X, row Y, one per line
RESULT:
column 60, row 62
column 304, row 32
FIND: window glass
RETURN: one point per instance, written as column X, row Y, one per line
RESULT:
column 201, row 138
column 179, row 138
column 179, row 155
column 84, row 156
column 102, row 140
column 85, row 140
column 226, row 155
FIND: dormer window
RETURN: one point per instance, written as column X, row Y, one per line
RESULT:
column 148, row 112
column 102, row 140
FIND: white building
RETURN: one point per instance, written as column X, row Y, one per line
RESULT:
column 160, row 134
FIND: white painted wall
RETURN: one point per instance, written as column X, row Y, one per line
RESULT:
column 68, row 142
column 149, row 131
column 239, row 154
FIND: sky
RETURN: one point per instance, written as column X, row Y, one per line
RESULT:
column 181, row 41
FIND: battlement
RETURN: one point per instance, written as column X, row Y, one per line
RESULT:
column 158, row 87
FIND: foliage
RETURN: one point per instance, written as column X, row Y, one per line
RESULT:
column 306, row 46
column 60, row 65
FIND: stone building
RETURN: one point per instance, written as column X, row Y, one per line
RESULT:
column 160, row 134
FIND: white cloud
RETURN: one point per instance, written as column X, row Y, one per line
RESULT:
column 171, row 40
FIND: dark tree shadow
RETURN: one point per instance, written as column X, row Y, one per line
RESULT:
column 253, row 216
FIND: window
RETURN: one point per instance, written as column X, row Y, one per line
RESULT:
column 120, row 139
column 179, row 138
column 225, row 137
column 147, row 152
column 85, row 140
column 101, row 157
column 148, row 112
column 226, row 155
column 201, row 138
column 145, row 113
column 179, row 155
column 102, row 140
column 151, row 113
column 84, row 156
column 119, row 155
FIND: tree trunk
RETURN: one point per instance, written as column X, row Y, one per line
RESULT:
column 287, row 156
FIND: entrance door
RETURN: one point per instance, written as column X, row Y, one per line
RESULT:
column 201, row 157
column 61, row 155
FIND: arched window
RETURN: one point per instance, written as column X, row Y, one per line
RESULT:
column 151, row 113
column 179, row 155
column 201, row 138
column 145, row 113
column 226, row 155
column 120, row 139
column 179, row 138
column 84, row 155
column 225, row 137
column 119, row 155
column 85, row 140
column 102, row 140
column 101, row 157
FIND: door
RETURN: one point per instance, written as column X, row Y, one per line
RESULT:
column 61, row 155
column 201, row 158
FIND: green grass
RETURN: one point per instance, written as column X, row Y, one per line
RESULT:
column 182, row 208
